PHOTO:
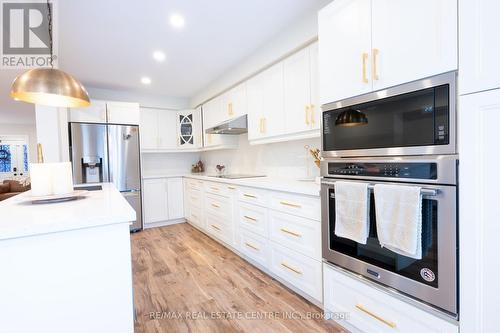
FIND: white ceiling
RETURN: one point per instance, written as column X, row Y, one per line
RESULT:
column 109, row 44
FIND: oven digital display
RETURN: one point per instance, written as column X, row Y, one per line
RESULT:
column 391, row 170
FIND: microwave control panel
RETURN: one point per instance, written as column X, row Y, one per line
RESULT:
column 389, row 170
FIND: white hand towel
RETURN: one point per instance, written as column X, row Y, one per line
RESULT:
column 351, row 211
column 399, row 219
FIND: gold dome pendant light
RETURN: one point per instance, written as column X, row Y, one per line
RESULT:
column 49, row 86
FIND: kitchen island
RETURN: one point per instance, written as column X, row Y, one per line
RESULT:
column 66, row 267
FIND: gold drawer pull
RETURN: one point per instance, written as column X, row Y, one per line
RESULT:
column 215, row 227
column 307, row 115
column 200, row 182
column 364, row 59
column 252, row 247
column 374, row 64
column 284, row 203
column 371, row 314
column 194, row 199
column 250, row 196
column 290, row 232
column 214, row 188
column 194, row 215
column 296, row 271
column 250, row 218
column 231, row 188
column 215, row 205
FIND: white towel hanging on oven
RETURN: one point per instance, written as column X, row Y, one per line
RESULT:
column 398, row 211
column 351, row 211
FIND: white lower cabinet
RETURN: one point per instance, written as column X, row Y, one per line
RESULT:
column 284, row 245
column 253, row 218
column 254, row 246
column 162, row 200
column 297, row 233
column 370, row 310
column 301, row 271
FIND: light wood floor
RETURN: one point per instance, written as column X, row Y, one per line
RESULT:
column 178, row 269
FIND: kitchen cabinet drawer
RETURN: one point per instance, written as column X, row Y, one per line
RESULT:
column 218, row 206
column 217, row 188
column 255, row 247
column 253, row 218
column 195, row 217
column 219, row 228
column 302, row 272
column 195, row 184
column 253, row 196
column 194, row 198
column 371, row 310
column 297, row 233
column 299, row 205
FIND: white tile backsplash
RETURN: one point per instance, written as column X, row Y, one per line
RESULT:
column 283, row 159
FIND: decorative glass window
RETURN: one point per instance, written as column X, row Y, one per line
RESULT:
column 5, row 158
column 186, row 129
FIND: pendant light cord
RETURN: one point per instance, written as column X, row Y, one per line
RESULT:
column 49, row 17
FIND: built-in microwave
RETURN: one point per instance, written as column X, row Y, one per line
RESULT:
column 417, row 118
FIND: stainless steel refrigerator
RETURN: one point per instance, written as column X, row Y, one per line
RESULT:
column 108, row 153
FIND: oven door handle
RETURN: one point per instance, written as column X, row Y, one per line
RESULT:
column 430, row 192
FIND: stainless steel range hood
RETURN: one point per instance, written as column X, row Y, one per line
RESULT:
column 231, row 127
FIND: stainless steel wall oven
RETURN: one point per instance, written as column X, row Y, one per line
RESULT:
column 432, row 279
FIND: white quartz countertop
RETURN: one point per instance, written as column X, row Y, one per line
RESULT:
column 156, row 176
column 269, row 183
column 20, row 218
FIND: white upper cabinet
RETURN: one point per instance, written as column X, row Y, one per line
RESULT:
column 95, row 113
column 479, row 46
column 369, row 45
column 189, row 129
column 167, row 130
column 123, row 113
column 300, row 91
column 412, row 40
column 149, row 129
column 344, row 49
column 315, row 111
column 266, row 103
column 158, row 130
column 213, row 114
column 297, row 92
column 234, row 102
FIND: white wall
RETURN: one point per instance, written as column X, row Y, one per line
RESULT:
column 24, row 130
column 145, row 100
column 168, row 164
column 293, row 37
column 281, row 160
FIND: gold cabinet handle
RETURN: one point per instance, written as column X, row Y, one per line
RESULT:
column 284, row 203
column 214, row 188
column 231, row 188
column 296, row 271
column 264, row 125
column 250, row 196
column 216, row 206
column 261, row 127
column 364, row 59
column 230, row 109
column 307, row 115
column 371, row 314
column 250, row 218
column 311, row 114
column 215, row 227
column 252, row 247
column 375, row 53
column 286, row 231
column 194, row 199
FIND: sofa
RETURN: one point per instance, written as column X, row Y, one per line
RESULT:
column 10, row 188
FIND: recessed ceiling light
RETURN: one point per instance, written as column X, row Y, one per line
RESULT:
column 145, row 80
column 158, row 56
column 177, row 20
